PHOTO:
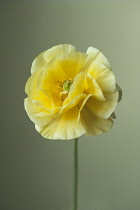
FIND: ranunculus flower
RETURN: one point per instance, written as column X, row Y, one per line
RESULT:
column 71, row 93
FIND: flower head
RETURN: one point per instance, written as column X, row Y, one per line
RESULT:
column 71, row 93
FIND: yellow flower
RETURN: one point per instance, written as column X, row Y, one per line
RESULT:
column 71, row 93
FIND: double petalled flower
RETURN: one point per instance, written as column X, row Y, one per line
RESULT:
column 71, row 93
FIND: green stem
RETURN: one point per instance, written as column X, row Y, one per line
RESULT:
column 75, row 173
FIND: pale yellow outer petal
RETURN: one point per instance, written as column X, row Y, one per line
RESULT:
column 34, row 93
column 36, row 114
column 58, row 51
column 103, row 109
column 94, row 88
column 103, row 76
column 64, row 127
column 71, row 103
column 107, row 81
column 95, row 55
column 38, row 63
column 51, row 75
column 45, row 57
column 39, row 114
column 72, row 63
column 49, row 82
column 93, row 124
column 77, row 87
column 31, row 84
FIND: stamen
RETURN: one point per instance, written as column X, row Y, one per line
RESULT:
column 64, row 87
column 67, row 84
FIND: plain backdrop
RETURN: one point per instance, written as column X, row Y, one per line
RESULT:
column 37, row 174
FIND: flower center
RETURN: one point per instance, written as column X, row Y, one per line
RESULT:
column 64, row 89
column 67, row 84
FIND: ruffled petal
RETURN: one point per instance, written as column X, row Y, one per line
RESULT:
column 103, row 109
column 37, row 114
column 72, row 103
column 52, row 75
column 60, row 69
column 77, row 87
column 50, row 81
column 31, row 84
column 103, row 76
column 106, row 81
column 36, row 94
column 72, row 63
column 95, row 55
column 38, row 63
column 64, row 127
column 93, row 124
column 93, row 88
column 58, row 51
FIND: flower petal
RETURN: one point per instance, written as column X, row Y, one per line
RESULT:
column 31, row 83
column 103, row 76
column 70, row 104
column 63, row 127
column 93, row 124
column 103, row 109
column 93, row 88
column 72, row 63
column 51, row 75
column 58, row 50
column 106, row 81
column 36, row 114
column 38, row 63
column 49, row 81
column 77, row 87
column 95, row 55
column 31, row 88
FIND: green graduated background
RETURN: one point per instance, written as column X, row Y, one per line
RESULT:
column 38, row 173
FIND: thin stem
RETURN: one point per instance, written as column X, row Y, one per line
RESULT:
column 75, row 173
